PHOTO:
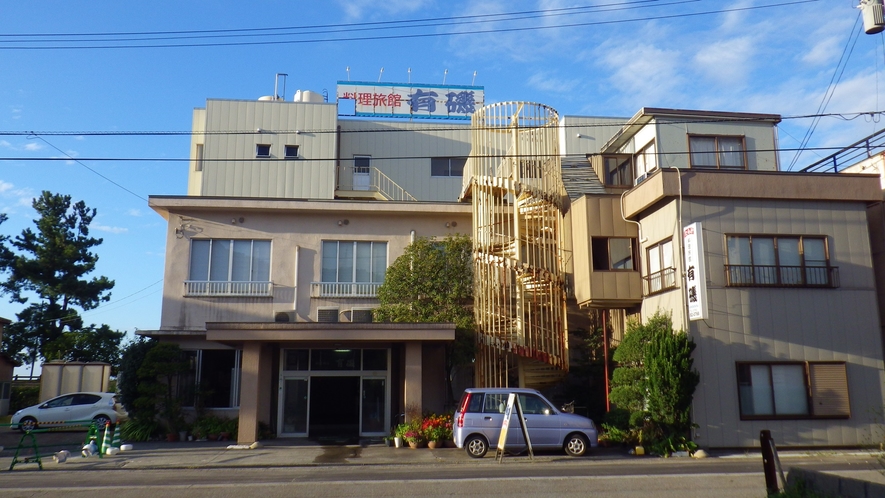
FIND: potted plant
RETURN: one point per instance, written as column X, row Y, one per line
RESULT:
column 414, row 437
column 436, row 429
column 398, row 433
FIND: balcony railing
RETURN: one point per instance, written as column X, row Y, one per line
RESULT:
column 344, row 289
column 781, row 276
column 659, row 281
column 375, row 181
column 228, row 289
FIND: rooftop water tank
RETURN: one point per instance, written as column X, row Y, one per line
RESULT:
column 308, row 96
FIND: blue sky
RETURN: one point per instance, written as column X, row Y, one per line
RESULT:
column 769, row 56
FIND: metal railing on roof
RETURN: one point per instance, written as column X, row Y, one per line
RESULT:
column 851, row 155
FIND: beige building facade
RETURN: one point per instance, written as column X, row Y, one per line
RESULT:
column 293, row 214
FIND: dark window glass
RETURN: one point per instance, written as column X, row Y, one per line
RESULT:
column 374, row 359
column 335, row 359
column 296, row 359
column 262, row 150
column 291, row 151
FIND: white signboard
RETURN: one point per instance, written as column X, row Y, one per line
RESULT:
column 412, row 100
column 695, row 273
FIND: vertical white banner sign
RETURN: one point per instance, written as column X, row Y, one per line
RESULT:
column 695, row 273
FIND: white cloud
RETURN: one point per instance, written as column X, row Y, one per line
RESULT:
column 33, row 146
column 727, row 61
column 644, row 73
column 548, row 83
column 372, row 9
column 5, row 186
column 134, row 212
column 109, row 229
column 4, row 143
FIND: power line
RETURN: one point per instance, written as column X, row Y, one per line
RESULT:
column 407, row 36
column 422, row 128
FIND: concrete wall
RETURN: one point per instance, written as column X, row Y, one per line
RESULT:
column 300, row 228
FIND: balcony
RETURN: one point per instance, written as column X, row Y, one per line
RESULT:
column 659, row 282
column 345, row 289
column 202, row 288
column 782, row 276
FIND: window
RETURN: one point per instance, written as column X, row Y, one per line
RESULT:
column 646, row 160
column 779, row 261
column 327, row 315
column 262, row 150
column 661, row 268
column 5, row 390
column 447, row 166
column 213, row 379
column 361, row 164
column 793, row 390
column 198, row 164
column 229, row 267
column 612, row 253
column 717, row 152
column 291, row 152
column 351, row 268
column 618, row 170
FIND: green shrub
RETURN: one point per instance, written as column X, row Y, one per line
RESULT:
column 618, row 418
column 23, row 397
column 139, row 429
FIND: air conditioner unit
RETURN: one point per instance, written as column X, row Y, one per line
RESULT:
column 327, row 315
column 639, row 179
column 285, row 316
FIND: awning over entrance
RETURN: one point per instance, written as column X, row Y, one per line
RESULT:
column 313, row 331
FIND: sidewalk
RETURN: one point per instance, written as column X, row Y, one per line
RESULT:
column 302, row 453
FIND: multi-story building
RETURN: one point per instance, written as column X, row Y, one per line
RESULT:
column 293, row 214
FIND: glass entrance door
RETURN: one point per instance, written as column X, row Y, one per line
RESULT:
column 374, row 395
column 293, row 409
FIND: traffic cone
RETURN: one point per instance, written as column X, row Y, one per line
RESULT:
column 106, row 440
column 118, row 440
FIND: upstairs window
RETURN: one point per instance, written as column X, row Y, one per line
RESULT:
column 779, row 261
column 613, row 253
column 262, row 150
column 646, row 160
column 447, row 166
column 661, row 268
column 717, row 152
column 618, row 170
column 229, row 267
column 291, row 152
column 198, row 163
column 351, row 269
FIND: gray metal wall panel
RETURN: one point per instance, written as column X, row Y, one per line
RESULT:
column 771, row 324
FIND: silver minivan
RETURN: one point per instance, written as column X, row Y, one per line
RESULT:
column 480, row 416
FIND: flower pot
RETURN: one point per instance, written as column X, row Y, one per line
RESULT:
column 416, row 444
column 434, row 444
column 398, row 442
column 182, row 435
column 224, row 436
column 171, row 437
column 450, row 443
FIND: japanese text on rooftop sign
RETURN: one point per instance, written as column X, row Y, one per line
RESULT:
column 695, row 274
column 412, row 101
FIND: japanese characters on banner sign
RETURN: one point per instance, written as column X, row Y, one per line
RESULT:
column 412, row 101
column 695, row 273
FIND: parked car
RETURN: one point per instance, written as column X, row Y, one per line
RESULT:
column 100, row 408
column 480, row 416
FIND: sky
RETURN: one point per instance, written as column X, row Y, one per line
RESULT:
column 85, row 80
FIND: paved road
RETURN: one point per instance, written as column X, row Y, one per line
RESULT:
column 517, row 477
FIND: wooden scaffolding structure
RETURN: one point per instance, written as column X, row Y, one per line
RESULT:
column 514, row 179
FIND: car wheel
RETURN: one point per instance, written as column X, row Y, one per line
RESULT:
column 101, row 421
column 27, row 424
column 575, row 445
column 476, row 446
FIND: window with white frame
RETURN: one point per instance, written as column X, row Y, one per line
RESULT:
column 352, row 268
column 646, row 160
column 262, row 150
column 661, row 267
column 769, row 390
column 229, row 267
column 291, row 152
column 723, row 152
